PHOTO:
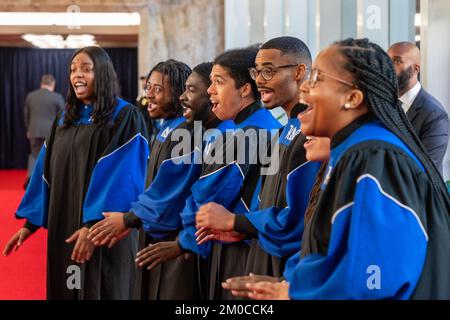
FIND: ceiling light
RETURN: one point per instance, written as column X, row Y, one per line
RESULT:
column 58, row 41
column 69, row 19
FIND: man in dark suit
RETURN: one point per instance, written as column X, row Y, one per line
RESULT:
column 41, row 108
column 427, row 115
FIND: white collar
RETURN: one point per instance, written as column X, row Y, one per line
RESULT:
column 408, row 98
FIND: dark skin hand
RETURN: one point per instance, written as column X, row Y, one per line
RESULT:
column 265, row 290
column 117, row 238
column 16, row 241
column 160, row 252
column 239, row 285
column 84, row 248
column 214, row 216
column 204, row 235
column 105, row 231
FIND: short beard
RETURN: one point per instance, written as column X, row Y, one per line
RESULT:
column 404, row 77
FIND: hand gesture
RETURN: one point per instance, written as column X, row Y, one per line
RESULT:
column 104, row 231
column 157, row 253
column 84, row 248
column 16, row 241
column 214, row 216
column 204, row 235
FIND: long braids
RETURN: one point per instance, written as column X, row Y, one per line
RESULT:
column 374, row 74
column 315, row 192
column 178, row 72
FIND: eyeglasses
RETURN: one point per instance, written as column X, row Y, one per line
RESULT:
column 313, row 78
column 267, row 73
column 148, row 88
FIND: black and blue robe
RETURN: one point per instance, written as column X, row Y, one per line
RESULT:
column 173, row 169
column 379, row 230
column 82, row 171
column 282, row 202
column 231, row 183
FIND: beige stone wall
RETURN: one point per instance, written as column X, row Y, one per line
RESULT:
column 61, row 5
column 188, row 30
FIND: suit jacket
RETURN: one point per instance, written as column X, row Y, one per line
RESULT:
column 41, row 108
column 430, row 121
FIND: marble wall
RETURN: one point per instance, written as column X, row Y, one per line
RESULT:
column 189, row 30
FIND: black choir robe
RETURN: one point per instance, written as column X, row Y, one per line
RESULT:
column 83, row 171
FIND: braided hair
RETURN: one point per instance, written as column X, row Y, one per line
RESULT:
column 178, row 72
column 106, row 90
column 373, row 73
column 315, row 192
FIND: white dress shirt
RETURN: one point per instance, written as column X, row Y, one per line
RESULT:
column 408, row 98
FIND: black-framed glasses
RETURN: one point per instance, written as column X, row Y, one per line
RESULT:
column 313, row 78
column 267, row 72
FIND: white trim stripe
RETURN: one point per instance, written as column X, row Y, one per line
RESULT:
column 245, row 205
column 229, row 164
column 179, row 157
column 304, row 163
column 340, row 210
column 43, row 178
column 395, row 200
column 110, row 154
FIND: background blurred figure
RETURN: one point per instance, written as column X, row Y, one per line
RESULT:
column 142, row 103
column 41, row 108
column 428, row 117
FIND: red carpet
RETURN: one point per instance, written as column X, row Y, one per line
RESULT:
column 23, row 272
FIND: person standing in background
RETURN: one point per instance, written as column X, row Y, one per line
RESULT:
column 41, row 107
column 428, row 117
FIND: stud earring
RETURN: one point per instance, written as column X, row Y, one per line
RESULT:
column 347, row 106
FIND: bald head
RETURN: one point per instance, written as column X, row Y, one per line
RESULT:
column 406, row 58
column 407, row 50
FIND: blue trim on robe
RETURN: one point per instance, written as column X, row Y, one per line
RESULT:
column 86, row 112
column 160, row 205
column 372, row 131
column 280, row 230
column 107, row 190
column 291, row 265
column 290, row 131
column 287, row 135
column 222, row 186
column 114, row 182
column 34, row 204
column 353, row 263
column 167, row 126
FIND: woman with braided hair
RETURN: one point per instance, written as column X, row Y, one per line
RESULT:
column 381, row 227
